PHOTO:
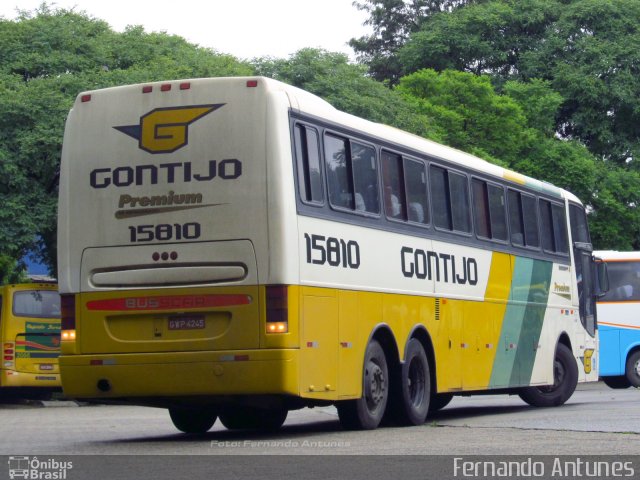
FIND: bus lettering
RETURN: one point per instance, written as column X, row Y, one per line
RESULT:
column 425, row 265
column 228, row 169
column 334, row 251
column 164, row 232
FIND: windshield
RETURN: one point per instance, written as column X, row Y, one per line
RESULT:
column 36, row 303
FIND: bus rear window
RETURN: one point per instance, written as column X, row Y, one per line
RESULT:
column 36, row 303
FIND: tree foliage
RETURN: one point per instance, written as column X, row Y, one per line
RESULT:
column 392, row 22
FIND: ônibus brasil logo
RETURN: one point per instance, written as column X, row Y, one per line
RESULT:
column 34, row 468
column 165, row 130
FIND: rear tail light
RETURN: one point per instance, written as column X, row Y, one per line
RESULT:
column 68, row 317
column 8, row 352
column 277, row 309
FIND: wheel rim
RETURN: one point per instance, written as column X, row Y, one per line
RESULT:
column 416, row 381
column 375, row 386
column 636, row 368
column 559, row 374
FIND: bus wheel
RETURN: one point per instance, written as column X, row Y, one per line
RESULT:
column 192, row 420
column 565, row 379
column 366, row 412
column 415, row 386
column 248, row 418
column 633, row 368
column 439, row 401
column 617, row 382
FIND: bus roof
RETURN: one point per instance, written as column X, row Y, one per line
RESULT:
column 616, row 256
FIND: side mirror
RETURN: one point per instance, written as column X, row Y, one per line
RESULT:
column 602, row 277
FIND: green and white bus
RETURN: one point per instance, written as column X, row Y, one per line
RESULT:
column 236, row 248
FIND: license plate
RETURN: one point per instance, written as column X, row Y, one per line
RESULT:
column 186, row 323
column 46, row 366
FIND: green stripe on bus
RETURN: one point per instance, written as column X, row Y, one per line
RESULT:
column 522, row 323
column 533, row 320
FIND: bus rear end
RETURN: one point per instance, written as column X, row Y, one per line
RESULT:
column 163, row 242
column 30, row 327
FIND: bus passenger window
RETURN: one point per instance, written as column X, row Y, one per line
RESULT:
column 417, row 196
column 308, row 156
column 392, row 179
column 553, row 226
column 365, row 178
column 440, row 197
column 459, row 202
column 530, row 217
column 481, row 212
column 515, row 218
column 339, row 176
column 559, row 219
column 497, row 212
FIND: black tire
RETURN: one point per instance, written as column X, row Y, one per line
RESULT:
column 632, row 369
column 248, row 418
column 439, row 401
column 565, row 379
column 617, row 382
column 366, row 412
column 411, row 398
column 192, row 420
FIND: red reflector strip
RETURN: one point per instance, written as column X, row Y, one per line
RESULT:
column 241, row 358
column 165, row 88
column 95, row 362
column 85, row 98
column 183, row 302
column 147, row 89
column 252, row 83
column 185, row 86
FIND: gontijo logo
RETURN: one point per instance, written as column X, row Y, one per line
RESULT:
column 165, row 130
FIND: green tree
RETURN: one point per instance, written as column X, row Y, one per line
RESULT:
column 11, row 271
column 589, row 51
column 48, row 57
column 472, row 115
column 392, row 22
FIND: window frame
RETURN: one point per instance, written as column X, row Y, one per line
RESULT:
column 302, row 166
column 349, row 140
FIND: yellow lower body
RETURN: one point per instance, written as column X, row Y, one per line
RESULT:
column 13, row 379
column 181, row 374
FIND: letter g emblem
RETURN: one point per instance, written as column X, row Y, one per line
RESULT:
column 165, row 130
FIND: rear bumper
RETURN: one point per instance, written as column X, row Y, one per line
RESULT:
column 11, row 378
column 186, row 374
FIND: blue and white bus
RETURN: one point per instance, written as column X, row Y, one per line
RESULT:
column 619, row 320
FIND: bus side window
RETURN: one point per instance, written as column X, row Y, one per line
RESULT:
column 339, row 175
column 392, row 180
column 440, row 198
column 365, row 177
column 450, row 198
column 497, row 212
column 459, row 190
column 530, row 217
column 417, row 194
column 554, row 228
column 308, row 156
column 523, row 219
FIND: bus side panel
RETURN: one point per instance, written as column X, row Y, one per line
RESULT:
column 611, row 360
column 619, row 328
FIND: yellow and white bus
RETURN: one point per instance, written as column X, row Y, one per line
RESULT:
column 236, row 248
column 30, row 335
